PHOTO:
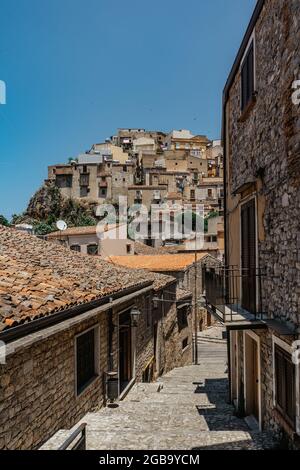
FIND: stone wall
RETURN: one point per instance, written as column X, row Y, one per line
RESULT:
column 37, row 388
column 37, row 385
column 268, row 143
column 263, row 148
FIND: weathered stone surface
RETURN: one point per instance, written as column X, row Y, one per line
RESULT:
column 186, row 409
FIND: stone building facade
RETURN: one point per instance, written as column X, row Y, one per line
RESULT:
column 66, row 320
column 97, row 180
column 105, row 240
column 184, row 268
column 261, row 137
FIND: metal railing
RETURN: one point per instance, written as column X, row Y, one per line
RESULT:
column 233, row 293
column 73, row 442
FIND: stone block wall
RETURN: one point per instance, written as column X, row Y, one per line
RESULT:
column 37, row 388
column 263, row 149
column 267, row 143
column 37, row 385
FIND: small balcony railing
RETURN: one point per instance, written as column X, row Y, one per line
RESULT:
column 233, row 294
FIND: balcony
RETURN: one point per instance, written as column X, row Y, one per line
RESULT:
column 234, row 295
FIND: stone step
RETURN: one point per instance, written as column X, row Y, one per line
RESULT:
column 205, row 440
column 191, row 422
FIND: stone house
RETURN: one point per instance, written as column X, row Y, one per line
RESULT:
column 94, row 178
column 185, row 140
column 126, row 138
column 110, row 240
column 66, row 320
column 146, row 195
column 186, row 268
column 261, row 137
column 114, row 152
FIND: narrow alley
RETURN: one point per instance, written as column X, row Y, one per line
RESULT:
column 186, row 409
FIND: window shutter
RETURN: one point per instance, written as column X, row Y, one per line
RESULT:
column 247, row 77
column 244, row 85
column 285, row 385
column 248, row 256
column 250, row 62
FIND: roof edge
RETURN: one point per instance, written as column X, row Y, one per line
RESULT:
column 16, row 332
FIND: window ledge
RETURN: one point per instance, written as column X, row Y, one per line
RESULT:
column 247, row 110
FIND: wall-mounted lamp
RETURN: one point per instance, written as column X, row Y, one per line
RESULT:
column 135, row 314
column 155, row 301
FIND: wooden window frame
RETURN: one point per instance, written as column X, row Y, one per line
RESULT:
column 96, row 249
column 81, row 388
column 72, row 248
column 248, row 95
column 284, row 353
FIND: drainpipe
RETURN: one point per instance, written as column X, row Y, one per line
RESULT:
column 110, row 340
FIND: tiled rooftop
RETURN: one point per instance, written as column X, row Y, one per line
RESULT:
column 88, row 230
column 182, row 294
column 163, row 263
column 39, row 278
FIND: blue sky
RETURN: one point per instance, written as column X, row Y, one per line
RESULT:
column 76, row 70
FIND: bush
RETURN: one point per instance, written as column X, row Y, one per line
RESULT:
column 4, row 221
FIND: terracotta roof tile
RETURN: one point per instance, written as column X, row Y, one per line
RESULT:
column 163, row 263
column 38, row 278
column 182, row 294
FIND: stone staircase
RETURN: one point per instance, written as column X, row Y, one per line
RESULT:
column 185, row 409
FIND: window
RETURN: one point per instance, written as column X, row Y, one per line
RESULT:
column 285, row 384
column 64, row 181
column 128, row 248
column 247, row 74
column 192, row 194
column 83, row 191
column 92, row 249
column 209, row 193
column 84, row 179
column 102, row 192
column 185, row 343
column 85, row 360
column 75, row 248
column 182, row 317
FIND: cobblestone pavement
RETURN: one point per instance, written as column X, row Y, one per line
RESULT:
column 186, row 409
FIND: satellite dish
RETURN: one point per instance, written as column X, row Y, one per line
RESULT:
column 61, row 225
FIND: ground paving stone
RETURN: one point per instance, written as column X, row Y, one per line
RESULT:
column 185, row 409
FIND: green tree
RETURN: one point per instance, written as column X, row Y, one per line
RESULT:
column 4, row 221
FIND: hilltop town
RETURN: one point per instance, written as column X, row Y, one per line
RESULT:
column 149, row 293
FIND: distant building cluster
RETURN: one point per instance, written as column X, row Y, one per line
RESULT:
column 150, row 168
